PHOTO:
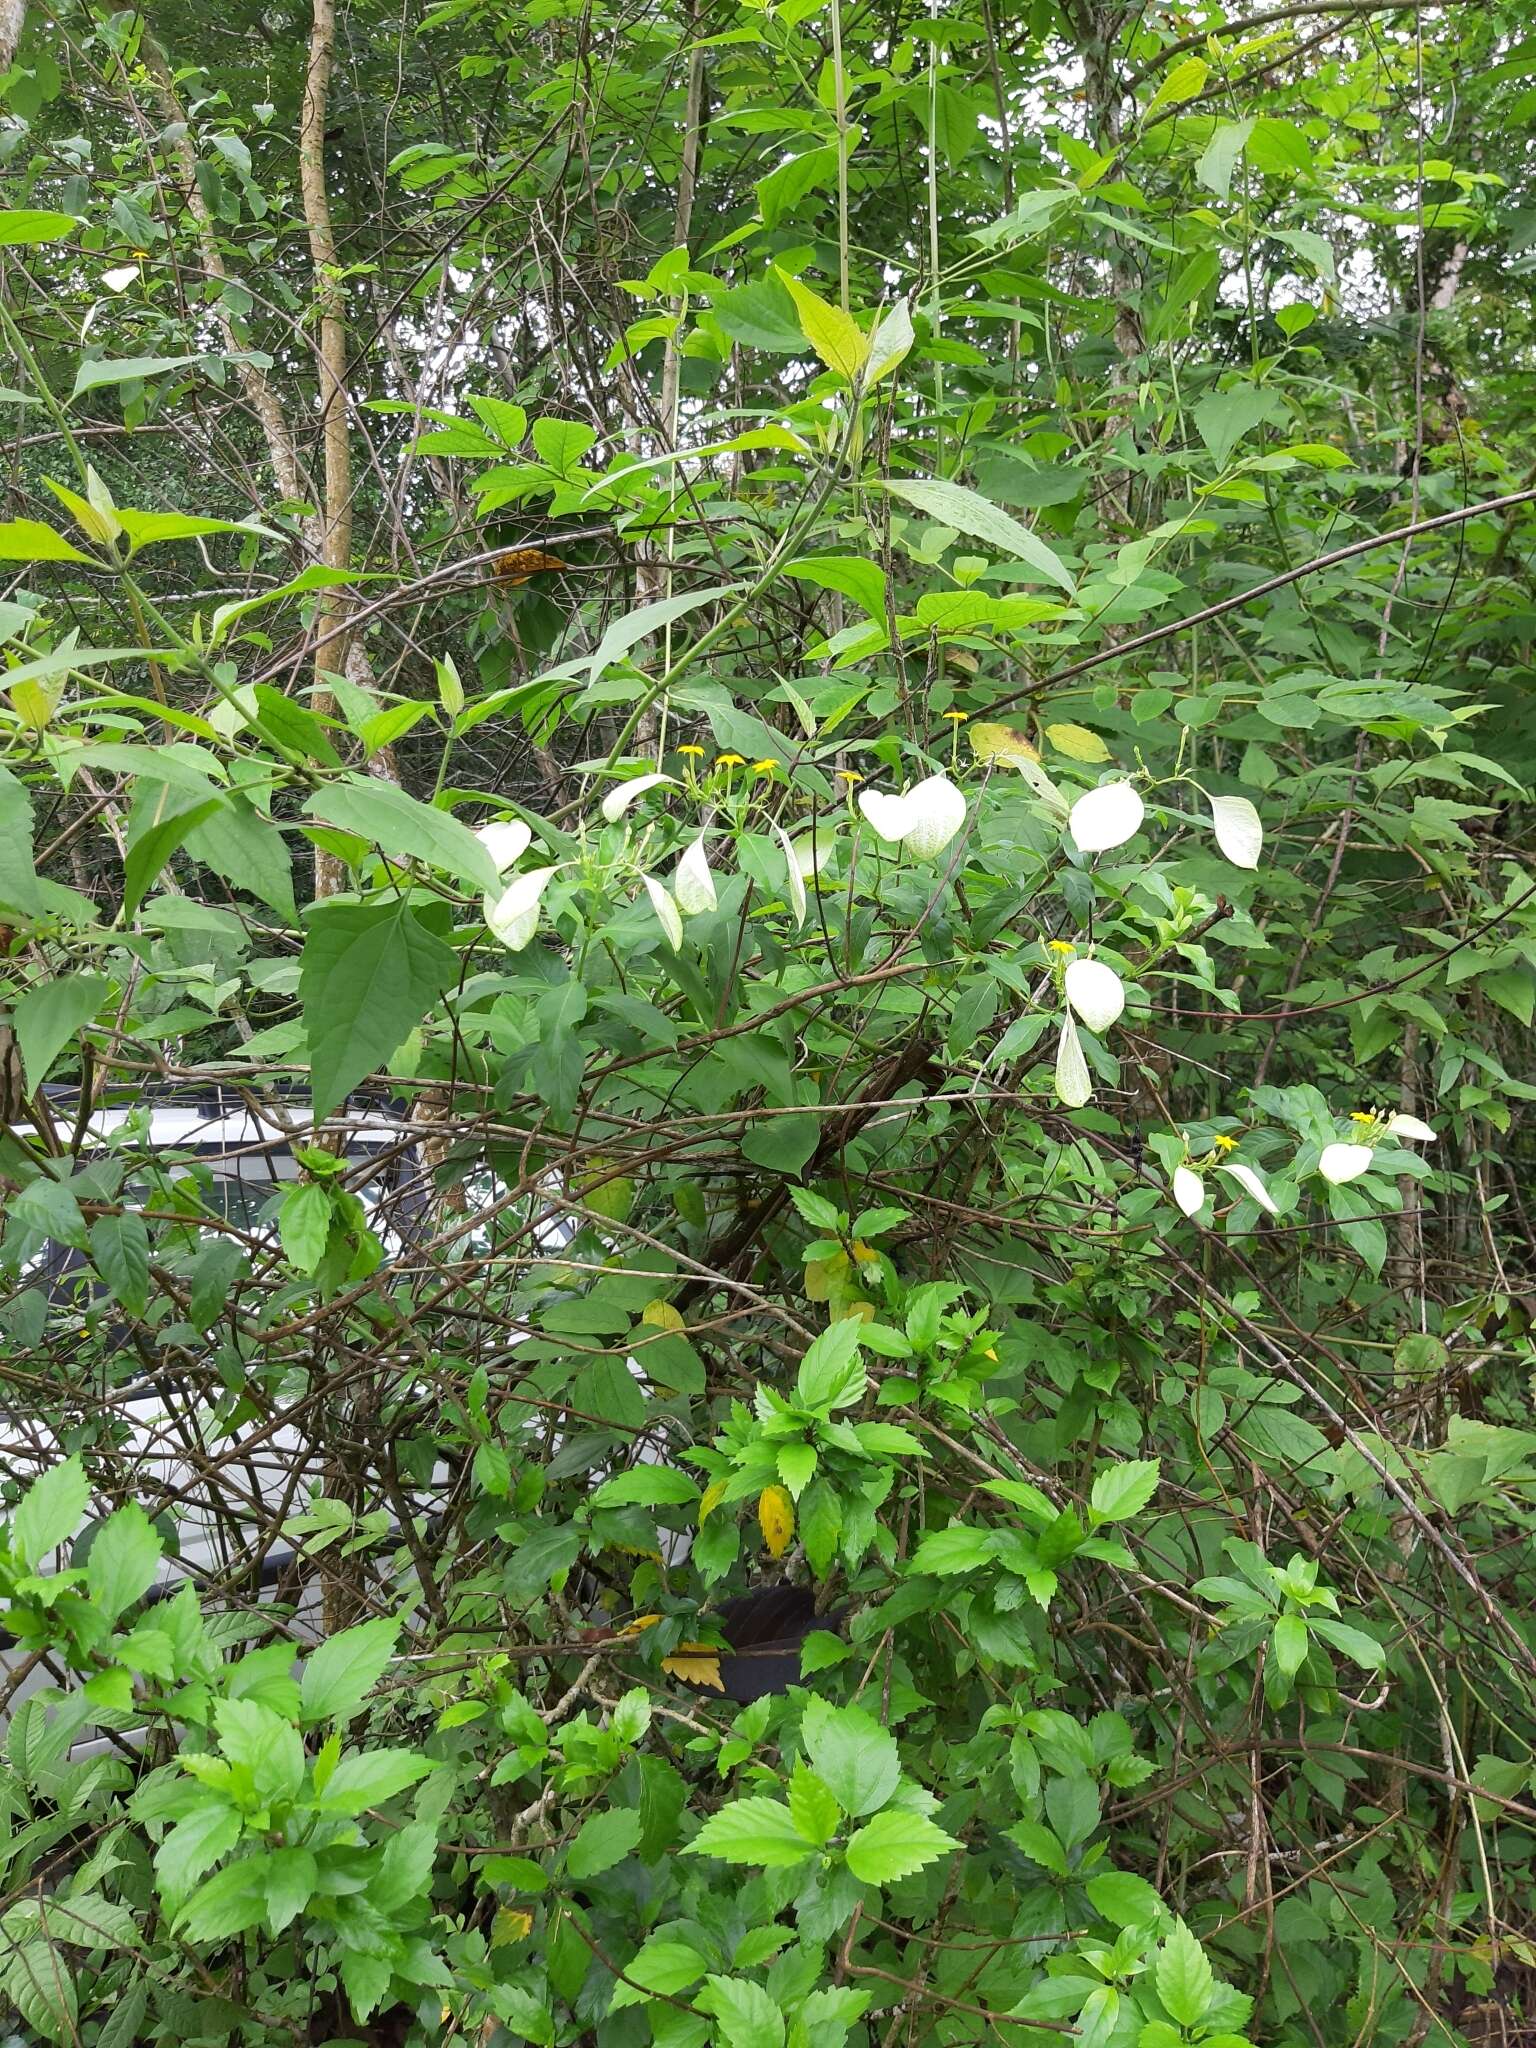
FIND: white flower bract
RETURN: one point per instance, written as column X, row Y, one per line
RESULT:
column 794, row 880
column 1096, row 992
column 506, row 841
column 1410, row 1127
column 693, row 885
column 618, row 801
column 1341, row 1163
column 1073, row 1084
column 924, row 820
column 1106, row 817
column 514, row 915
column 1188, row 1190
column 1250, row 1183
column 1239, row 830
column 668, row 916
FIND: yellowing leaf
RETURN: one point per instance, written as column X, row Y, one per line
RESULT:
column 776, row 1518
column 713, row 1495
column 1182, row 83
column 822, row 1275
column 33, row 704
column 863, row 1311
column 640, row 1623
column 661, row 1315
column 510, row 1926
column 1077, row 742
column 695, row 1664
column 829, row 330
column 1001, row 743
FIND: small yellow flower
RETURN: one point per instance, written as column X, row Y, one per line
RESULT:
column 730, row 760
column 1225, row 1144
column 959, row 717
column 1361, row 1116
column 1060, row 946
column 769, row 767
column 692, row 753
column 849, row 776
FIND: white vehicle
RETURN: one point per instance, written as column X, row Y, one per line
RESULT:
column 175, row 1453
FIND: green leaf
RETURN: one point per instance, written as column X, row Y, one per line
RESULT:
column 264, row 1747
column 159, row 821
column 1290, row 1643
column 51, row 1511
column 304, row 1225
column 49, row 1014
column 852, row 575
column 631, row 628
column 120, row 1247
column 952, row 504
column 290, row 1874
column 212, row 1275
column 895, row 1844
column 1219, row 160
column 124, row 1558
column 48, row 1208
column 237, row 842
column 745, row 2015
column 814, row 1810
column 23, row 226
column 647, row 1486
column 207, row 1834
column 760, row 315
column 831, row 1373
column 230, row 1901
column 663, row 1965
column 368, row 975
column 147, row 529
column 957, row 1548
column 85, row 1919
column 91, row 376
column 602, row 1841
column 28, row 540
column 1360, row 1648
column 1124, row 1899
column 1183, row 1977
column 368, row 1779
column 19, row 888
column 1224, row 417
column 855, row 1758
column 782, row 190
column 338, row 1677
column 405, row 829
column 755, row 1830
column 36, row 1980
column 1123, row 1490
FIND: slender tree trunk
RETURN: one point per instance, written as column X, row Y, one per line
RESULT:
column 336, row 508
column 254, row 381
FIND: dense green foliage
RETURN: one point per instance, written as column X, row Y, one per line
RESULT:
column 866, row 674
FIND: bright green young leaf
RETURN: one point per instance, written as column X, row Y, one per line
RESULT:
column 855, row 1758
column 51, row 1511
column 894, row 1845
column 835, row 335
column 753, row 1830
